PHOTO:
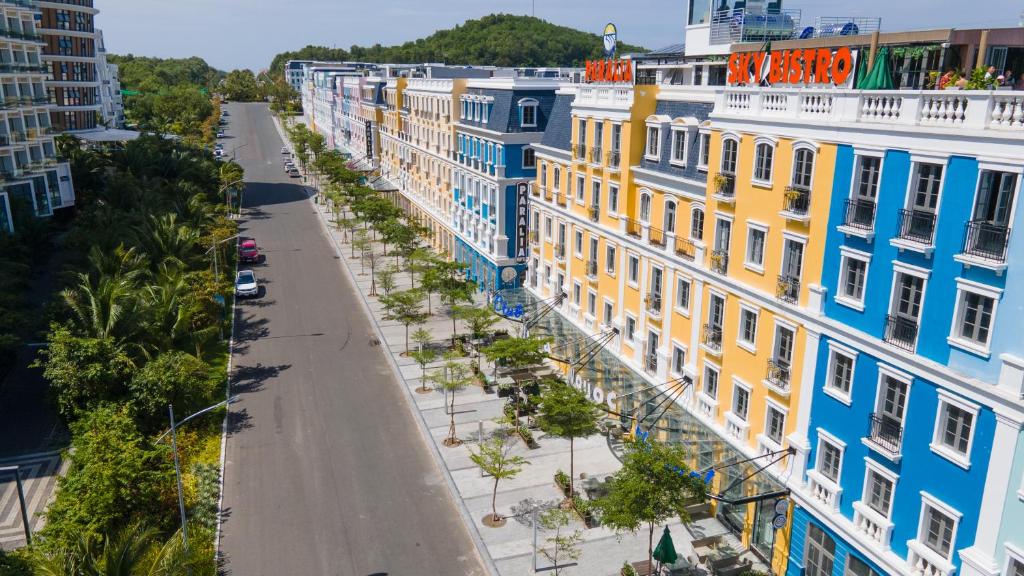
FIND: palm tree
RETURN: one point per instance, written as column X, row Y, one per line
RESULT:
column 167, row 241
column 104, row 308
column 135, row 550
column 176, row 318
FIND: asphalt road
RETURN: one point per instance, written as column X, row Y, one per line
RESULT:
column 326, row 472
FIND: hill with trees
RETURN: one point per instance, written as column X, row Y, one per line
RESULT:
column 494, row 40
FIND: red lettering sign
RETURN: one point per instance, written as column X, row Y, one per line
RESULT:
column 609, row 71
column 811, row 65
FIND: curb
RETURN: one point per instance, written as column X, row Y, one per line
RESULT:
column 481, row 548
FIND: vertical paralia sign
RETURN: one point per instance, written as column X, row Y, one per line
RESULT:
column 369, row 139
column 522, row 221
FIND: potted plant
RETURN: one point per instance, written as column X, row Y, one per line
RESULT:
column 720, row 181
column 627, row 569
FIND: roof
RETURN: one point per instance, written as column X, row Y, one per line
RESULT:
column 107, row 135
column 670, row 50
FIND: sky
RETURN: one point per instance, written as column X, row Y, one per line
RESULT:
column 248, row 33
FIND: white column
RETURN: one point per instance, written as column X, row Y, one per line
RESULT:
column 979, row 560
column 799, row 438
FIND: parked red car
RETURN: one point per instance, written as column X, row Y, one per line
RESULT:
column 248, row 252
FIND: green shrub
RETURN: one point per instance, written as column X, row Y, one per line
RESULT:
column 562, row 479
column 175, row 378
column 84, row 372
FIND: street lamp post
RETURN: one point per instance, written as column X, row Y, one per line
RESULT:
column 16, row 470
column 216, row 272
column 177, row 464
column 227, row 198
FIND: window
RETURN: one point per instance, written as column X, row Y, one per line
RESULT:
column 609, row 259
column 763, row 156
column 710, row 382
column 543, row 175
column 529, row 158
column 558, row 179
column 748, row 327
column 528, row 111
column 705, row 150
column 729, row 147
column 581, row 135
column 653, row 136
column 840, row 373
column 853, row 277
column 1015, row 567
column 576, row 291
column 645, row 207
column 616, row 138
column 578, row 243
column 869, row 170
column 821, row 552
column 683, row 294
column 697, row 224
column 595, row 194
column 670, row 217
column 937, row 529
column 580, row 188
column 972, row 323
column 634, row 269
column 678, row 360
column 775, row 424
column 591, row 303
column 878, row 491
column 830, row 460
column 740, row 401
column 954, row 427
column 803, row 168
column 679, row 147
column 547, row 228
column 630, row 328
column 613, row 198
column 755, row 247
column 927, row 187
column 598, row 136
column 609, row 313
column 857, row 567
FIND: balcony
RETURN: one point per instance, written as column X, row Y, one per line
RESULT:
column 595, row 155
column 823, row 489
column 594, row 212
column 560, row 252
column 534, row 237
column 778, row 375
column 725, row 187
column 901, row 332
column 536, row 190
column 656, row 237
column 633, row 227
column 797, row 203
column 870, row 523
column 579, row 153
column 886, row 433
column 651, row 364
column 916, row 229
column 559, row 198
column 787, row 289
column 923, row 561
column 653, row 303
column 859, row 218
column 712, row 338
column 985, row 244
column 613, row 160
column 720, row 261
column 592, row 269
column 685, row 249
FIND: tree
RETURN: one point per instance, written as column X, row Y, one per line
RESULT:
column 361, row 243
column 451, row 377
column 386, row 278
column 241, row 85
column 370, row 257
column 406, row 308
column 418, row 260
column 653, row 485
column 84, row 372
column 565, row 412
column 174, row 378
column 135, row 549
column 478, row 320
column 423, row 357
column 115, row 474
column 453, row 287
column 516, row 353
column 563, row 546
column 495, row 459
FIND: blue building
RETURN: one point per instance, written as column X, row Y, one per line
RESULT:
column 499, row 120
column 916, row 410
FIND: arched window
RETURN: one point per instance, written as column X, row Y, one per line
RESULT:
column 670, row 217
column 803, row 168
column 729, row 146
column 697, row 224
column 645, row 207
column 764, row 154
column 528, row 113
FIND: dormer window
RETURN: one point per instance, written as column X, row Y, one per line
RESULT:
column 528, row 113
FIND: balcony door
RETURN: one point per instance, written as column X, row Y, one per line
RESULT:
column 723, row 232
column 892, row 408
column 656, row 283
column 995, row 198
column 910, row 292
column 716, row 311
column 783, row 353
column 793, row 259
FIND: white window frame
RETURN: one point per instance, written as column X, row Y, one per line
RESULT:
column 846, row 254
column 772, row 145
column 611, row 254
column 764, row 438
column 872, row 466
column 528, row 150
column 815, row 150
column 577, row 293
column 630, row 337
column 930, row 501
column 721, row 160
column 581, row 189
column 680, row 347
column 946, row 399
column 963, row 286
column 577, row 243
column 633, row 282
column 655, row 156
column 748, row 309
column 548, row 228
column 752, row 226
column 608, row 304
column 613, row 193
column 741, row 385
column 704, row 144
column 685, row 312
column 704, row 216
column 911, row 270
column 834, row 348
column 675, row 158
column 827, row 438
column 528, row 103
column 1013, row 554
column 591, row 299
column 718, row 380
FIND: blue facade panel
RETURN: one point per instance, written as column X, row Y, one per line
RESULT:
column 798, row 547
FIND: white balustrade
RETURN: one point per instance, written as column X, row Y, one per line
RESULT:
column 872, row 524
column 823, row 490
column 1007, row 112
column 924, row 561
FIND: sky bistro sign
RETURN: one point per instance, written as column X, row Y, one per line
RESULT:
column 807, row 66
column 609, row 71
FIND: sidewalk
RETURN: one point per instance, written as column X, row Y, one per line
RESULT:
column 509, row 547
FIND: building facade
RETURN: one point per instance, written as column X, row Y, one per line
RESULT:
column 33, row 183
column 70, row 56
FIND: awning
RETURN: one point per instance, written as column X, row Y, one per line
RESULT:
column 360, row 165
column 381, row 184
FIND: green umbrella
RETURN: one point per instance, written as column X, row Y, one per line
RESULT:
column 862, row 70
column 665, row 551
column 880, row 77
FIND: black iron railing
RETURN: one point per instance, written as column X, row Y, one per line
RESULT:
column 901, row 332
column 712, row 336
column 652, row 363
column 860, row 214
column 592, row 268
column 685, row 249
column 916, row 226
column 653, row 301
column 787, row 289
column 720, row 261
column 887, row 432
column 633, row 227
column 778, row 373
column 986, row 240
column 797, row 200
column 613, row 160
column 594, row 212
column 725, row 185
column 595, row 154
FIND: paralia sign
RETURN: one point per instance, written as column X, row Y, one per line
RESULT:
column 807, row 66
column 522, row 221
column 609, row 71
